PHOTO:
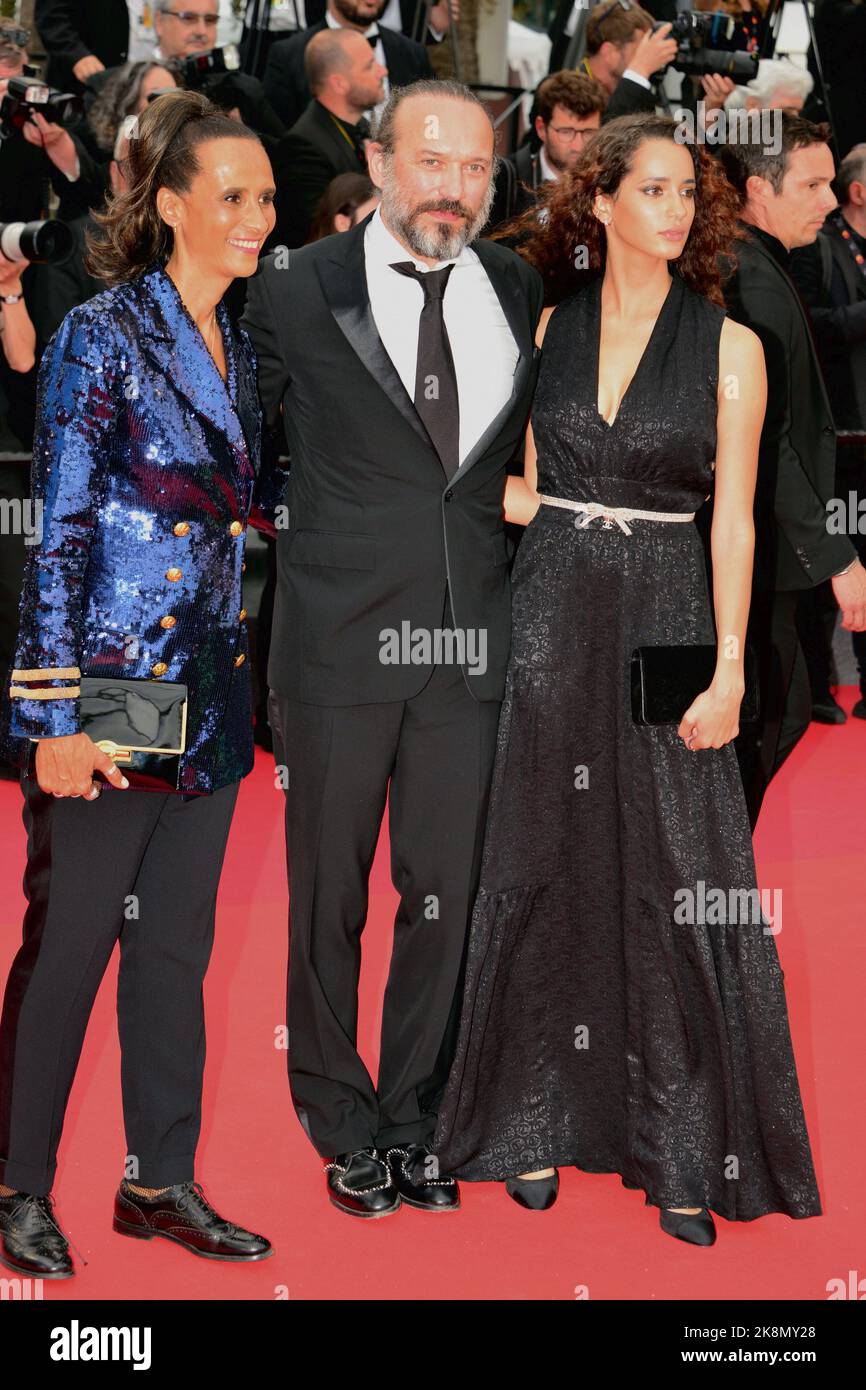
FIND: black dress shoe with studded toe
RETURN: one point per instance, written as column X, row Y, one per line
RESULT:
column 32, row 1242
column 182, row 1213
column 361, row 1183
column 419, row 1182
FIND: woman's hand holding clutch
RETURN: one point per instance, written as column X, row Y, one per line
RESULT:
column 65, row 767
column 713, row 718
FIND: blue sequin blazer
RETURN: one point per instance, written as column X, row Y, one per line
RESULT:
column 148, row 469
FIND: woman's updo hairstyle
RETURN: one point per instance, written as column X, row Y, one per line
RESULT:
column 130, row 234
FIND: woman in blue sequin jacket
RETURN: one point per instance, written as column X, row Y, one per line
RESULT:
column 147, row 467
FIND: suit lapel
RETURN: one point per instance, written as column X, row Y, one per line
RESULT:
column 343, row 278
column 175, row 342
column 344, row 282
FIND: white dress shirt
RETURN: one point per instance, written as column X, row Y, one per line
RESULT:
column 283, row 16
column 482, row 345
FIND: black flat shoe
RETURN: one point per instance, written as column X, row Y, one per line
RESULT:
column 859, row 710
column 536, row 1194
column 182, row 1214
column 32, row 1242
column 360, row 1183
column 410, row 1165
column 697, row 1229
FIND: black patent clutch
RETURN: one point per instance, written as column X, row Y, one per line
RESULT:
column 665, row 681
column 141, row 724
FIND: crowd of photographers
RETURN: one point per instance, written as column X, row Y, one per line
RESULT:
column 311, row 86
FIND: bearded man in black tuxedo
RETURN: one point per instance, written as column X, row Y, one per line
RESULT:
column 404, row 361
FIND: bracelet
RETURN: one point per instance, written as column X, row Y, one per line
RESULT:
column 846, row 569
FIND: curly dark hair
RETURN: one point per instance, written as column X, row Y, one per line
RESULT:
column 548, row 233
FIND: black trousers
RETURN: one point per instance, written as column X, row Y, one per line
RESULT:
column 142, row 867
column 436, row 752
column 785, row 695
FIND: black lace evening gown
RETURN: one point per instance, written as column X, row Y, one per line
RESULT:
column 596, row 1030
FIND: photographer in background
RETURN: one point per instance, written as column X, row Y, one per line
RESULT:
column 185, row 28
column 81, row 38
column 623, row 52
column 17, row 334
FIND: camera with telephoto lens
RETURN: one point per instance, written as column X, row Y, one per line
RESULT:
column 25, row 98
column 43, row 243
column 694, row 32
column 213, row 74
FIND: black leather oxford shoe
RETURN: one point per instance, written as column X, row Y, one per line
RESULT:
column 360, row 1183
column 32, row 1241
column 418, row 1180
column 182, row 1214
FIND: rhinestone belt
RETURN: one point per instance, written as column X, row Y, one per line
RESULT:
column 621, row 515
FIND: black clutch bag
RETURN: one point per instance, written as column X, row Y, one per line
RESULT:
column 141, row 724
column 665, row 681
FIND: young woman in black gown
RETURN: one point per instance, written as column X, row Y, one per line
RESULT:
column 597, row 1028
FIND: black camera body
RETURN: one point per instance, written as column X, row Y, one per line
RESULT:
column 214, row 74
column 694, row 32
column 24, row 98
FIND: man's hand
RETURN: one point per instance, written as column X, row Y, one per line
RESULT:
column 65, row 766
column 55, row 141
column 850, row 591
column 716, row 88
column 438, row 17
column 86, row 67
column 654, row 51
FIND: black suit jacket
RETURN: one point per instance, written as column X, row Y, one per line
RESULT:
column 71, row 29
column 628, row 98
column 286, row 83
column 837, row 308
column 796, row 465
column 374, row 528
column 313, row 152
column 517, row 184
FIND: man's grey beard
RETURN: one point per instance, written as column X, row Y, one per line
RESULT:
column 441, row 242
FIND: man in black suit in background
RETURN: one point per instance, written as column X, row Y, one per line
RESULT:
column 831, row 278
column 785, row 197
column 569, row 107
column 81, row 38
column 285, row 80
column 405, row 363
column 345, row 80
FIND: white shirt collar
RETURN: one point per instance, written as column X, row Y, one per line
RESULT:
column 547, row 171
column 370, row 30
column 381, row 244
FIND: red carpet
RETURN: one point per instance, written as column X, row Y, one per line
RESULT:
column 600, row 1240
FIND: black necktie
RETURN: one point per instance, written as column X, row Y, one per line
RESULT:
column 436, row 397
column 372, row 39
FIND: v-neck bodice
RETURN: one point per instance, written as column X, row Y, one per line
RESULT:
column 658, row 327
column 658, row 453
